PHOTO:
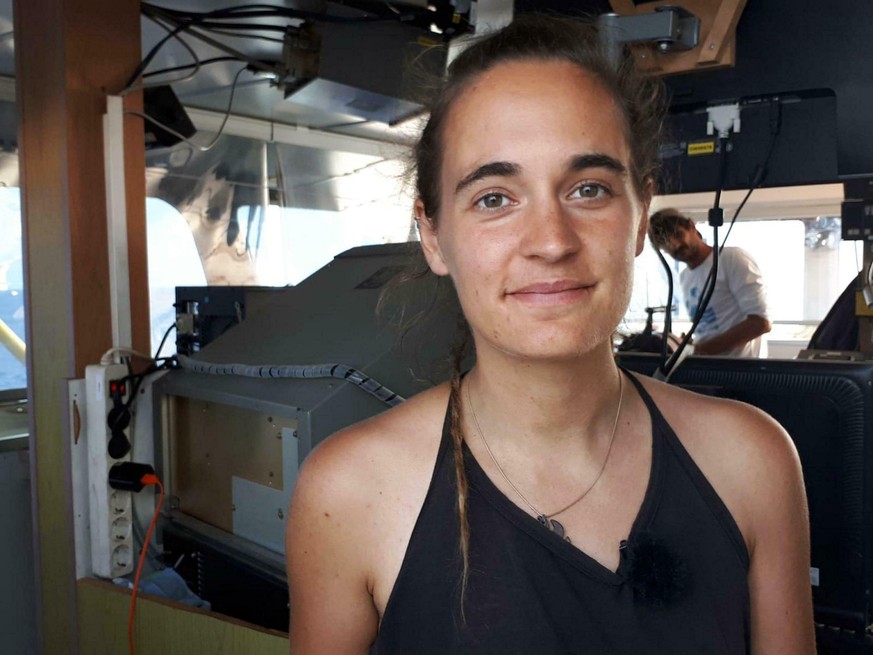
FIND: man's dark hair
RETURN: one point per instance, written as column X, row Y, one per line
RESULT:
column 664, row 225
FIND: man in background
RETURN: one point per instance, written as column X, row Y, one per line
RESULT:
column 736, row 318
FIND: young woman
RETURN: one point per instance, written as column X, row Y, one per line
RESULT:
column 547, row 502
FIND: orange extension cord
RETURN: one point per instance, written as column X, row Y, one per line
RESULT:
column 148, row 479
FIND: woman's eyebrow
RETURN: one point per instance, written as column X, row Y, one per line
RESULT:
column 500, row 168
column 596, row 160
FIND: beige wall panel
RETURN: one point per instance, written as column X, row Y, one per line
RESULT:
column 211, row 443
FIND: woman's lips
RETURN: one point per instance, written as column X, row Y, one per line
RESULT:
column 552, row 293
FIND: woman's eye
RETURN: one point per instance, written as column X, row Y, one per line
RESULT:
column 492, row 201
column 591, row 191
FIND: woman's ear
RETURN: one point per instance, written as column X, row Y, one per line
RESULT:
column 430, row 243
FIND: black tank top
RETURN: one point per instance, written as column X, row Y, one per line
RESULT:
column 680, row 588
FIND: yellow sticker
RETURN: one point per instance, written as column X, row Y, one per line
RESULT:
column 426, row 42
column 701, row 148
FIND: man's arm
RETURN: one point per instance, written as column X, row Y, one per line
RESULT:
column 749, row 328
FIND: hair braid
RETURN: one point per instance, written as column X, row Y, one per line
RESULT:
column 457, row 432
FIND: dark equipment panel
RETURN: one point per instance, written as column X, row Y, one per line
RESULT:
column 236, row 585
column 797, row 131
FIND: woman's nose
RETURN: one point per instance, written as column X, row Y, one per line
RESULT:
column 550, row 232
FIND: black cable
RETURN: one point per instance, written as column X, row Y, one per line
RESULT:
column 668, row 315
column 708, row 288
column 666, row 370
column 164, row 340
column 736, row 213
column 182, row 24
column 256, row 64
column 271, row 11
column 136, row 380
column 761, row 170
column 758, row 178
column 168, row 27
column 263, row 27
column 174, row 69
column 251, row 37
column 151, row 53
column 186, row 20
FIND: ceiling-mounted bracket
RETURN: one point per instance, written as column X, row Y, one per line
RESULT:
column 668, row 28
column 716, row 46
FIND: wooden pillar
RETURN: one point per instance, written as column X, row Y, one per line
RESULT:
column 69, row 53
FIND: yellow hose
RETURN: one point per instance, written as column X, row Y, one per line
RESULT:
column 12, row 341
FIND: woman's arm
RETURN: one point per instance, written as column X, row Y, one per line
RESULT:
column 779, row 584
column 332, row 609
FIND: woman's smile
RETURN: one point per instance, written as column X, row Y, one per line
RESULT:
column 559, row 292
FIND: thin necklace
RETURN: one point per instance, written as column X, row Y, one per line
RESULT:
column 546, row 519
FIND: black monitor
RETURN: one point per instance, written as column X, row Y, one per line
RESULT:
column 813, row 56
column 827, row 408
column 786, row 139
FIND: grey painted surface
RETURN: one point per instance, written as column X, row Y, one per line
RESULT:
column 17, row 585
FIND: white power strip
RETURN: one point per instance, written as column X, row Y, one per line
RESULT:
column 111, row 514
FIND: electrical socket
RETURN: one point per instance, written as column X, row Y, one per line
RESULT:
column 111, row 514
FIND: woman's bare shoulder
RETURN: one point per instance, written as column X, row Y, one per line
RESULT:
column 378, row 450
column 746, row 455
column 353, row 507
column 709, row 422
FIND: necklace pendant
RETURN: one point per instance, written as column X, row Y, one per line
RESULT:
column 552, row 525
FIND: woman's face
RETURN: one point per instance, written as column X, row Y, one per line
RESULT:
column 539, row 221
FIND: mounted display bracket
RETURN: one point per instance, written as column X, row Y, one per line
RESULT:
column 668, row 28
column 713, row 22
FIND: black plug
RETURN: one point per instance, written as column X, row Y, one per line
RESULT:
column 127, row 476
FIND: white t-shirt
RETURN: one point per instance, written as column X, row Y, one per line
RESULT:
column 739, row 292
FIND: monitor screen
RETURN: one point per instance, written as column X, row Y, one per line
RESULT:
column 827, row 408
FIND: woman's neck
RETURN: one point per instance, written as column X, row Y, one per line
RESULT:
column 514, row 399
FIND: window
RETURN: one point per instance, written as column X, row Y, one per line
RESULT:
column 804, row 263
column 207, row 224
column 13, row 373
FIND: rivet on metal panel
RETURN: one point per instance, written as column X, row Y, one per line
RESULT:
column 281, row 514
